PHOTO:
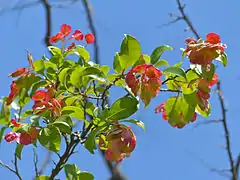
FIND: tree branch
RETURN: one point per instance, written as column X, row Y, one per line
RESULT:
column 226, row 131
column 48, row 17
column 186, row 19
column 93, row 30
column 35, row 162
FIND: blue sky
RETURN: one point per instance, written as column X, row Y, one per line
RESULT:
column 162, row 152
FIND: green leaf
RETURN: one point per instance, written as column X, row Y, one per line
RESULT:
column 116, row 64
column 27, row 81
column 90, row 143
column 173, row 109
column 162, row 62
column 63, row 127
column 57, row 59
column 192, row 75
column 71, row 171
column 223, row 59
column 85, row 176
column 49, row 64
column 18, row 150
column 208, row 74
column 2, row 132
column 204, row 113
column 75, row 76
column 123, row 108
column 130, row 51
column 51, row 73
column 4, row 114
column 157, row 53
column 143, row 59
column 73, row 111
column 137, row 122
column 105, row 69
column 54, row 50
column 81, row 51
column 39, row 66
column 37, row 85
column 50, row 138
column 42, row 178
column 94, row 73
column 188, row 104
column 176, row 71
column 62, row 76
column 64, row 123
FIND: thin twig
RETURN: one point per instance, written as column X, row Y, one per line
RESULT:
column 35, row 162
column 208, row 122
column 92, row 28
column 45, row 162
column 186, row 19
column 8, row 167
column 16, row 167
column 226, row 131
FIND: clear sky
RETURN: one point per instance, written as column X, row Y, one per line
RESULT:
column 162, row 152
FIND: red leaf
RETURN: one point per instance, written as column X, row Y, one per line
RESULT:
column 54, row 39
column 65, row 30
column 39, row 95
column 19, row 72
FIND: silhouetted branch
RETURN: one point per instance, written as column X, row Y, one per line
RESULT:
column 226, row 131
column 186, row 19
column 207, row 122
column 93, row 30
column 35, row 162
column 48, row 17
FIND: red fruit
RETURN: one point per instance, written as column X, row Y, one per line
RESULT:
column 25, row 139
column 89, row 38
column 77, row 35
column 12, row 136
column 213, row 38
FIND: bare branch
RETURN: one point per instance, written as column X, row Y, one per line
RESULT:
column 237, row 165
column 92, row 28
column 8, row 167
column 16, row 166
column 35, row 162
column 207, row 122
column 226, row 131
column 45, row 162
column 186, row 19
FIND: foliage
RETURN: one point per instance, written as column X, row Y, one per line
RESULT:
column 65, row 91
